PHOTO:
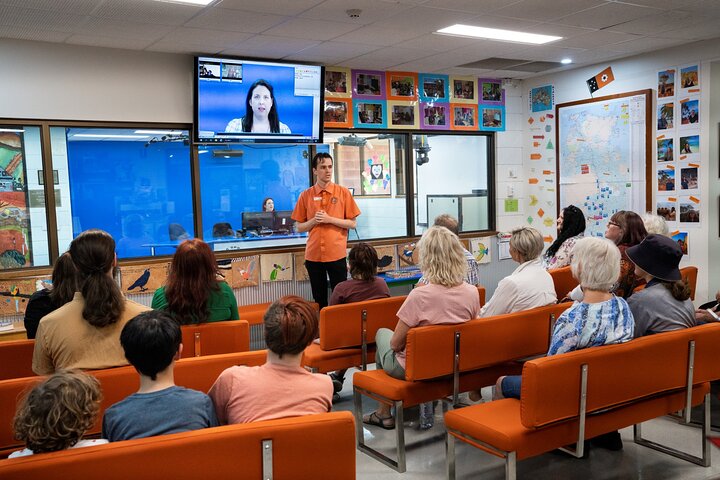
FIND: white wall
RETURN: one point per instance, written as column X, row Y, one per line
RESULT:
column 640, row 72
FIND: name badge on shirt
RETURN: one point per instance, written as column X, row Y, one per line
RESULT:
column 317, row 198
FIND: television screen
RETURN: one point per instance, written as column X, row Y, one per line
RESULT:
column 240, row 100
column 258, row 220
column 283, row 220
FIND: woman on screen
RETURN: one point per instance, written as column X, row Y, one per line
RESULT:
column 268, row 205
column 264, row 119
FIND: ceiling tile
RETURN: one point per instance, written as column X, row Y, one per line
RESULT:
column 596, row 39
column 204, row 36
column 496, row 21
column 606, row 15
column 437, row 43
column 544, row 10
column 565, row 31
column 470, row 6
column 109, row 42
column 331, row 53
column 311, row 29
column 287, row 7
column 645, row 44
column 658, row 24
column 423, row 19
column 235, row 20
column 267, row 46
column 699, row 31
column 664, row 4
column 38, row 35
column 184, row 48
column 377, row 35
column 160, row 13
column 80, row 7
column 40, row 19
column 123, row 29
column 371, row 11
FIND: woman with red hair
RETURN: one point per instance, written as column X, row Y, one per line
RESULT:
column 193, row 293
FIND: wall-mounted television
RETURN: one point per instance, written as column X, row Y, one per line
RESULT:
column 239, row 101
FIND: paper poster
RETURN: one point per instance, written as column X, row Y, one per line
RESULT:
column 143, row 278
column 301, row 273
column 682, row 240
column 689, row 80
column 14, row 295
column 481, row 249
column 689, row 148
column 511, row 205
column 689, row 209
column 666, row 209
column 666, row 83
column 15, row 225
column 407, row 254
column 386, row 258
column 245, row 272
column 542, row 98
column 689, row 112
column 276, row 267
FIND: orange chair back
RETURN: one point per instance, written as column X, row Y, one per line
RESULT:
column 215, row 338
column 341, row 325
column 563, row 280
column 689, row 274
column 16, row 359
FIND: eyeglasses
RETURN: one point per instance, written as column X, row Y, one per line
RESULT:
column 614, row 224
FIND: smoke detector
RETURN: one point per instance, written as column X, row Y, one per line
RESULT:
column 353, row 12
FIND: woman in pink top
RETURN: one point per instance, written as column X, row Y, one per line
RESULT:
column 446, row 299
column 280, row 388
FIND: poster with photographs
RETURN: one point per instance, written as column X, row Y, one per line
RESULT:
column 301, row 273
column 463, row 89
column 689, row 177
column 665, row 116
column 276, row 267
column 338, row 113
column 434, row 116
column 434, row 88
column 491, row 91
column 690, row 112
column 245, row 272
column 666, row 208
column 463, row 117
column 665, row 149
column 370, row 114
column 690, row 148
column 401, row 85
column 368, row 84
column 542, row 98
column 681, row 238
column 666, row 179
column 689, row 209
column 666, row 84
column 689, row 80
column 408, row 255
column 337, row 82
column 143, row 279
column 492, row 118
column 14, row 295
column 403, row 114
column 386, row 258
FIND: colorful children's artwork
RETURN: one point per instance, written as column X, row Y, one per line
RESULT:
column 370, row 114
column 376, row 175
column 301, row 273
column 481, row 249
column 407, row 254
column 386, row 258
column 542, row 98
column 14, row 295
column 245, row 272
column 143, row 278
column 434, row 88
column 15, row 225
column 403, row 114
column 491, row 91
column 276, row 267
column 435, row 116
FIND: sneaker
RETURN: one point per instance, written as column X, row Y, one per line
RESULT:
column 337, row 382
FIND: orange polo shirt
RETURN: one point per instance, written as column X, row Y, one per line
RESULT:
column 326, row 243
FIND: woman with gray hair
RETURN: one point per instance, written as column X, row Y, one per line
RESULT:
column 530, row 285
column 446, row 299
column 600, row 319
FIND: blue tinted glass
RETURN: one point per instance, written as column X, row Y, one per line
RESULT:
column 137, row 189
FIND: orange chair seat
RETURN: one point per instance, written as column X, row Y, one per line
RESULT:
column 330, row 360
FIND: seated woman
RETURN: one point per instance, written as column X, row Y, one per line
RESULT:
column 281, row 387
column 268, row 205
column 85, row 332
column 57, row 413
column 192, row 293
column 42, row 302
column 530, row 285
column 364, row 284
column 570, row 229
column 664, row 304
column 600, row 319
column 445, row 300
column 655, row 224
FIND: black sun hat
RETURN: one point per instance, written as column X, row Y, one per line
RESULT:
column 659, row 256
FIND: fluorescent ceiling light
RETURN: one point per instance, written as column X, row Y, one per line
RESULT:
column 107, row 135
column 189, row 2
column 566, row 61
column 160, row 132
column 497, row 34
column 14, row 130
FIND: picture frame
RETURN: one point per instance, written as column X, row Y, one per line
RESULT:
column 338, row 113
column 370, row 114
column 491, row 91
column 433, row 88
column 338, row 83
column 463, row 89
column 463, row 117
column 434, row 116
column 401, row 86
column 403, row 114
column 368, row 84
column 492, row 118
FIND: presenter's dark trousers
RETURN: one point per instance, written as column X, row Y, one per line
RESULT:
column 319, row 273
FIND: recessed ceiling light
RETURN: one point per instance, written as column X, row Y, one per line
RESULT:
column 497, row 34
column 107, row 135
column 189, row 2
column 566, row 61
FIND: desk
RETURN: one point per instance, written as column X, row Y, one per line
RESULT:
column 239, row 243
column 404, row 282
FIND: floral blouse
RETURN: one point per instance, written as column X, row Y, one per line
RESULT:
column 563, row 256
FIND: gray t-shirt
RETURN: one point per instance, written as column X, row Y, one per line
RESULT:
column 655, row 311
column 171, row 410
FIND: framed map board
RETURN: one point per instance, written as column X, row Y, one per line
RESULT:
column 604, row 156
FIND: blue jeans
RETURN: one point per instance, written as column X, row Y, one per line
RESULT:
column 511, row 386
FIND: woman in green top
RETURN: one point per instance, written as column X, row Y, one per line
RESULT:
column 192, row 293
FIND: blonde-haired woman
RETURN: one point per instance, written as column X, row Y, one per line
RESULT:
column 445, row 299
column 530, row 285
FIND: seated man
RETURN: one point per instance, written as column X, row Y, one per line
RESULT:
column 151, row 342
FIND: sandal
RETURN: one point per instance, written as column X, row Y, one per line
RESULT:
column 388, row 423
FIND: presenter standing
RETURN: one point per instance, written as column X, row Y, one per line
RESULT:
column 327, row 211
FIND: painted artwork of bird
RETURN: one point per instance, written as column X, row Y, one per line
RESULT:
column 141, row 281
column 385, row 261
column 276, row 269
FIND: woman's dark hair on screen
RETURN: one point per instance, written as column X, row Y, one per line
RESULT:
column 247, row 121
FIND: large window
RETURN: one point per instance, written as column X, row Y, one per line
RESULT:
column 133, row 183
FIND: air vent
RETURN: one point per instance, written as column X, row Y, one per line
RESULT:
column 535, row 67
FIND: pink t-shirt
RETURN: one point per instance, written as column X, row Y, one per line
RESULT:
column 249, row 394
column 438, row 305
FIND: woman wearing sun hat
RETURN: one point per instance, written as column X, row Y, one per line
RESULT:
column 664, row 304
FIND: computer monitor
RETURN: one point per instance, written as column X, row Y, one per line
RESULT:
column 283, row 220
column 257, row 220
